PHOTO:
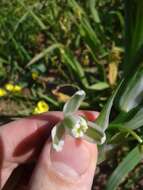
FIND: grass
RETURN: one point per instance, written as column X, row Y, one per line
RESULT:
column 74, row 47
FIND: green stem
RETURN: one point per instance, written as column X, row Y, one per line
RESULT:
column 122, row 128
column 125, row 129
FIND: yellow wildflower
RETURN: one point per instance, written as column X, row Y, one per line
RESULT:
column 41, row 107
column 35, row 75
column 9, row 87
column 17, row 88
column 13, row 88
column 2, row 92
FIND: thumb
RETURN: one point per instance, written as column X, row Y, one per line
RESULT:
column 69, row 169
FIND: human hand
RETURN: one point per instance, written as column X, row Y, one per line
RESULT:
column 25, row 140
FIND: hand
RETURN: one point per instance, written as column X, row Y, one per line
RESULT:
column 28, row 141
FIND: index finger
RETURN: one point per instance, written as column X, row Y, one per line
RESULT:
column 20, row 139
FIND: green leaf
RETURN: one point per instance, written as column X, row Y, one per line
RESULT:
column 120, row 17
column 99, row 86
column 48, row 98
column 85, row 28
column 128, row 163
column 20, row 21
column 132, row 95
column 76, row 6
column 123, row 131
column 74, row 65
column 89, row 33
column 134, row 33
column 43, row 54
column 35, row 17
column 103, row 118
column 136, row 121
column 94, row 12
column 73, row 104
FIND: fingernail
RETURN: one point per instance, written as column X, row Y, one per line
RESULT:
column 73, row 160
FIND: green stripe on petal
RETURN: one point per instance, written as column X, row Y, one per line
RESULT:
column 94, row 134
column 74, row 102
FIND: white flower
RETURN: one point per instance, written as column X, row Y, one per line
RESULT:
column 57, row 143
column 103, row 139
column 80, row 128
column 58, row 147
column 80, row 92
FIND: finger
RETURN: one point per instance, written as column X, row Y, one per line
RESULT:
column 19, row 138
column 69, row 169
column 20, row 141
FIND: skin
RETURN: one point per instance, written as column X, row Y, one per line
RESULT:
column 27, row 141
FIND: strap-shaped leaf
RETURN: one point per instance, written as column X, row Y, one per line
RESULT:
column 94, row 11
column 103, row 118
column 74, row 66
column 99, row 86
column 128, row 163
column 136, row 121
column 43, row 53
column 133, row 35
column 124, row 130
column 132, row 95
column 74, row 102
